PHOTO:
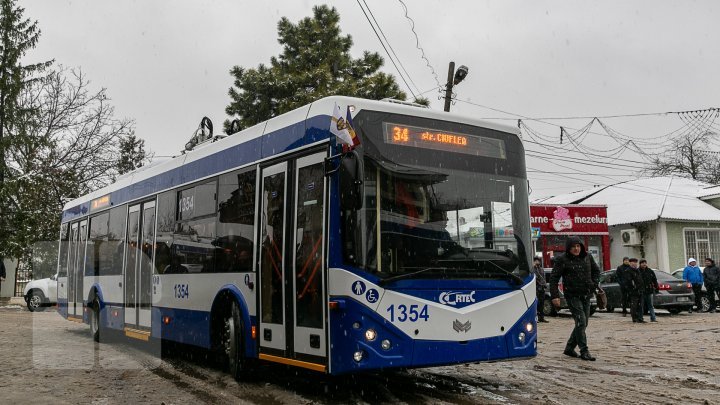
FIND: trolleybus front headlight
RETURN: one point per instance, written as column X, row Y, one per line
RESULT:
column 358, row 356
column 529, row 327
column 521, row 337
column 370, row 335
column 385, row 344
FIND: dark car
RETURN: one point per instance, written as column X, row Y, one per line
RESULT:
column 549, row 309
column 675, row 295
column 703, row 298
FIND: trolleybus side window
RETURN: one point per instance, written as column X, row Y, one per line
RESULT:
column 97, row 245
column 193, row 250
column 236, row 222
column 116, row 243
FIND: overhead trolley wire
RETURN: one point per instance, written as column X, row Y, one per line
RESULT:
column 386, row 50
column 417, row 45
column 387, row 41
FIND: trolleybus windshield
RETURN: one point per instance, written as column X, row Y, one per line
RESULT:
column 432, row 212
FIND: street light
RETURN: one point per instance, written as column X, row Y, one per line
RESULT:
column 454, row 78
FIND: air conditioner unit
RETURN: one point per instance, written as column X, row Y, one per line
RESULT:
column 630, row 237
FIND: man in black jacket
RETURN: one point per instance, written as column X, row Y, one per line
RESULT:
column 711, row 276
column 580, row 277
column 619, row 274
column 634, row 286
column 650, row 288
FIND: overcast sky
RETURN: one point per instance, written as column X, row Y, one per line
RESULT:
column 166, row 64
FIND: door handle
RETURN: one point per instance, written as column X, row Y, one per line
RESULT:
column 120, row 284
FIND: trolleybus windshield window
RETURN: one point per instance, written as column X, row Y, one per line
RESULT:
column 441, row 214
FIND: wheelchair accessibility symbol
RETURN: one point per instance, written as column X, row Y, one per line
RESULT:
column 372, row 295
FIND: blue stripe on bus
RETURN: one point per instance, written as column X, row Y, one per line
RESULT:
column 409, row 353
column 186, row 326
column 283, row 140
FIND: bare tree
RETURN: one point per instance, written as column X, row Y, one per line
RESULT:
column 65, row 145
column 689, row 156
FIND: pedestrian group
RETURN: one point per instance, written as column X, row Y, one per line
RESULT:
column 638, row 285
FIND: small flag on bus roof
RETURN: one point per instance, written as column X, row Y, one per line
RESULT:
column 343, row 128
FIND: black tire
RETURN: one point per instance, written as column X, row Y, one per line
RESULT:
column 592, row 311
column 35, row 301
column 233, row 342
column 674, row 311
column 609, row 309
column 95, row 320
column 705, row 302
column 548, row 308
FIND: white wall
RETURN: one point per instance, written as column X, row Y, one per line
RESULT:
column 618, row 251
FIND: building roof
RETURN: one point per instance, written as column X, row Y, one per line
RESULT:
column 643, row 200
column 709, row 193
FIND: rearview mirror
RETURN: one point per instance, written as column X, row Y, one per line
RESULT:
column 350, row 181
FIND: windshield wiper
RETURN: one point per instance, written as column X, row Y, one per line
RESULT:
column 509, row 273
column 384, row 281
column 406, row 275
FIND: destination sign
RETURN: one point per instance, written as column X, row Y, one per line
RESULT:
column 100, row 203
column 427, row 138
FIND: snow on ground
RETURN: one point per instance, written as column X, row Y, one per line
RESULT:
column 46, row 359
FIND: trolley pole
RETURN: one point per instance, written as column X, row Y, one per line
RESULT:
column 449, row 86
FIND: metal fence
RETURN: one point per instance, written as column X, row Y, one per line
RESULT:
column 23, row 275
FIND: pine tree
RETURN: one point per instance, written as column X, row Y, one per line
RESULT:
column 315, row 63
column 17, row 36
column 132, row 154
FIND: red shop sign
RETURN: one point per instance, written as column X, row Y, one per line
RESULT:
column 569, row 219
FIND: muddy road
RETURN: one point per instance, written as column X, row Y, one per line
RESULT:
column 46, row 359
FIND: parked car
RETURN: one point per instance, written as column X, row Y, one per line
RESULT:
column 549, row 309
column 674, row 295
column 41, row 293
column 703, row 298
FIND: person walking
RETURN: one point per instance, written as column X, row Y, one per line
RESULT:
column 580, row 275
column 619, row 273
column 711, row 277
column 651, row 288
column 693, row 275
column 634, row 287
column 540, row 288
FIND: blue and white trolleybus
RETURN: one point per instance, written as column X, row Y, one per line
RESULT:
column 280, row 244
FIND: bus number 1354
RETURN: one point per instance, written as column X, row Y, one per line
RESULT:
column 403, row 313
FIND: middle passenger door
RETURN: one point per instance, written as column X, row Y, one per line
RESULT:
column 292, row 263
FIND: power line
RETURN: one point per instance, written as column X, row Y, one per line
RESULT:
column 386, row 50
column 417, row 45
column 390, row 46
column 541, row 120
column 601, row 116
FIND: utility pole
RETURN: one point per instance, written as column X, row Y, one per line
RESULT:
column 449, row 86
column 453, row 79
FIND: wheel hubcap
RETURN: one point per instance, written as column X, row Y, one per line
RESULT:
column 35, row 301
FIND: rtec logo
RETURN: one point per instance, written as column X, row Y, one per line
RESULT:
column 454, row 298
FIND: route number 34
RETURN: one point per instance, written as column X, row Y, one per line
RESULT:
column 403, row 313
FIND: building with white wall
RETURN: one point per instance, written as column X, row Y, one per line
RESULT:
column 663, row 219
